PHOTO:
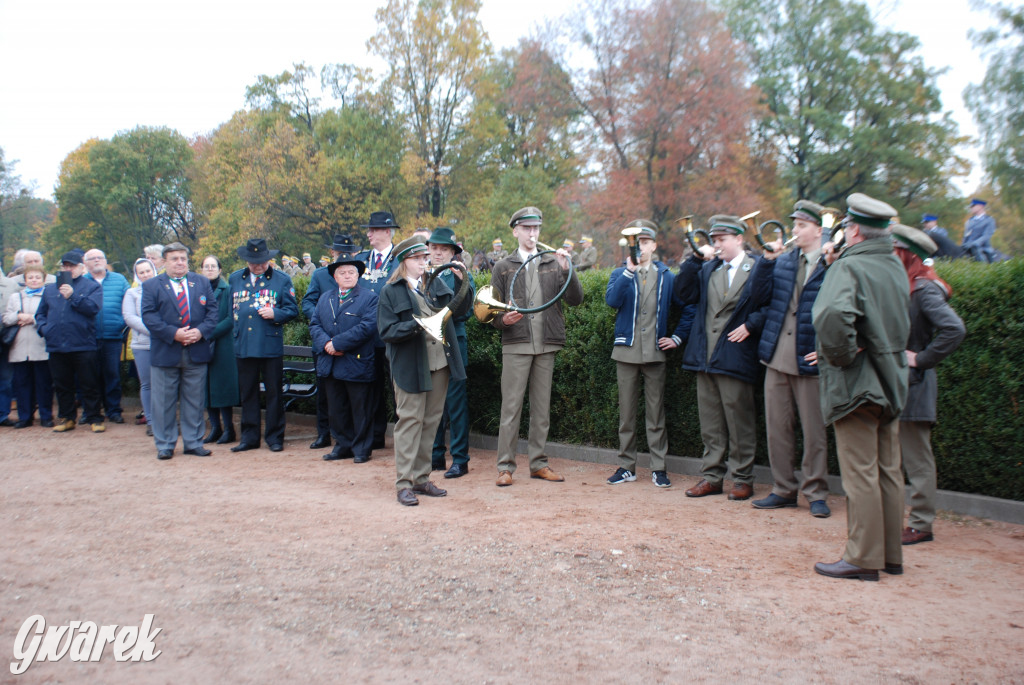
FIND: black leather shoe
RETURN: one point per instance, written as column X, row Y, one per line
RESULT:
column 893, row 569
column 228, row 437
column 844, row 569
column 406, row 498
column 48, row 423
column 321, row 442
column 116, row 418
column 276, row 448
column 7, row 423
column 362, row 459
column 213, row 435
column 243, row 447
column 457, row 471
column 165, row 454
column 336, row 454
column 438, row 466
column 198, row 452
column 23, row 424
column 429, row 489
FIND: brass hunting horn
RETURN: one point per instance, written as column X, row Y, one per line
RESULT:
column 777, row 227
column 692, row 234
column 486, row 306
column 435, row 323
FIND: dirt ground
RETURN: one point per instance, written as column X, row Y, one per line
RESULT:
column 263, row 567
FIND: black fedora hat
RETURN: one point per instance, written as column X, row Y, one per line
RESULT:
column 255, row 251
column 381, row 220
column 359, row 264
column 343, row 244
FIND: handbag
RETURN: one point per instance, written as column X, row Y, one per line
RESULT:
column 9, row 333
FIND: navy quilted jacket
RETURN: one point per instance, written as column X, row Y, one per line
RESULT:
column 778, row 278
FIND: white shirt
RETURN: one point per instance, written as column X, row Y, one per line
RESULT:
column 734, row 265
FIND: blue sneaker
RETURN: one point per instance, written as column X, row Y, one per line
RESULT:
column 819, row 509
column 622, row 476
column 773, row 501
column 660, row 478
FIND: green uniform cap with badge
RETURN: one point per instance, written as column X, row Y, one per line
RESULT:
column 808, row 211
column 648, row 229
column 726, row 224
column 410, row 247
column 915, row 240
column 524, row 215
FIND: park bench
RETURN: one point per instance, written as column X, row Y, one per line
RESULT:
column 298, row 367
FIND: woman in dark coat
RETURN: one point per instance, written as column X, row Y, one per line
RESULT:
column 935, row 332
column 343, row 329
column 420, row 367
column 222, row 378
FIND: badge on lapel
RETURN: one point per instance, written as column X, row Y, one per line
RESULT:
column 202, row 299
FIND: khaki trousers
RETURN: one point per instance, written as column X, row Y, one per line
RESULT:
column 727, row 424
column 786, row 396
column 418, row 416
column 869, row 460
column 919, row 463
column 654, row 412
column 516, row 371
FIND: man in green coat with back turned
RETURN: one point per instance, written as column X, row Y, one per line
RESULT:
column 860, row 318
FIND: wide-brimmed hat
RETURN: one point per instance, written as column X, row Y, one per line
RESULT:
column 444, row 236
column 343, row 243
column 255, row 251
column 381, row 220
column 342, row 261
column 410, row 247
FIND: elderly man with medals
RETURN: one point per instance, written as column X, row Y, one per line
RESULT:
column 262, row 301
column 379, row 260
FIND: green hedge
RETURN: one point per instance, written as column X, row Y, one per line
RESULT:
column 978, row 441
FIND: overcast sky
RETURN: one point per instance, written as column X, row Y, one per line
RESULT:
column 79, row 69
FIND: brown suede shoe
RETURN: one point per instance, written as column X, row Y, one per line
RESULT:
column 429, row 489
column 912, row 536
column 407, row 498
column 703, row 489
column 546, row 474
column 844, row 569
column 741, row 491
column 504, row 478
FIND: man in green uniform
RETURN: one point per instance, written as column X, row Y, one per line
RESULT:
column 860, row 317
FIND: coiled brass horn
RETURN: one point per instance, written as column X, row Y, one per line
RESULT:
column 486, row 307
column 435, row 323
column 777, row 227
column 692, row 234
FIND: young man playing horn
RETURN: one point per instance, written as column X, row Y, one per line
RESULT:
column 641, row 293
column 787, row 350
column 529, row 343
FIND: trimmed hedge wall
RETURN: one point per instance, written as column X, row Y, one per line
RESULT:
column 978, row 441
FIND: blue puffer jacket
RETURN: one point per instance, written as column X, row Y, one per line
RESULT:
column 738, row 360
column 621, row 294
column 69, row 325
column 778, row 277
column 110, row 323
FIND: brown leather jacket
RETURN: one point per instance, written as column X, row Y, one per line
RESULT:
column 552, row 278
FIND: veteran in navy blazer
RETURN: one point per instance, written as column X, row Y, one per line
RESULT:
column 343, row 329
column 180, row 312
column 262, row 302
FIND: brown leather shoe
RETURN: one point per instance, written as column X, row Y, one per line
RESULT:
column 844, row 569
column 912, row 536
column 893, row 569
column 504, row 478
column 429, row 489
column 741, row 491
column 407, row 498
column 703, row 489
column 546, row 474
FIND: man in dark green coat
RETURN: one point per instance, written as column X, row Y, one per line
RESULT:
column 860, row 318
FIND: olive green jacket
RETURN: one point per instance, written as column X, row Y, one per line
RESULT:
column 861, row 319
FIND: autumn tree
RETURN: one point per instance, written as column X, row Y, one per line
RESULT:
column 436, row 50
column 998, row 105
column 665, row 92
column 851, row 107
column 122, row 194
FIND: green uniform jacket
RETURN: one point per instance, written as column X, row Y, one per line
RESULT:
column 863, row 303
column 222, row 379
